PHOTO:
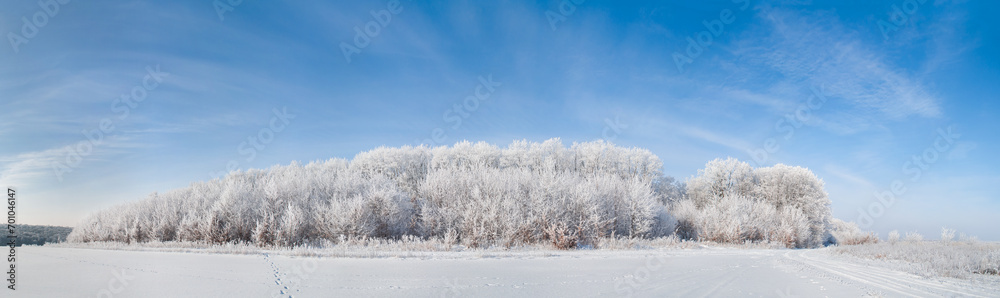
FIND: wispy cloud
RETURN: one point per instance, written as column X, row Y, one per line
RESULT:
column 29, row 166
column 38, row 167
column 847, row 175
column 815, row 49
column 698, row 133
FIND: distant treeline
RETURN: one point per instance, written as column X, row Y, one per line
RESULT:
column 482, row 195
column 39, row 235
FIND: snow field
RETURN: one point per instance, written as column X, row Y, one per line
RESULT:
column 715, row 272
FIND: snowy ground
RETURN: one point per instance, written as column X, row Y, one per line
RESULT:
column 72, row 272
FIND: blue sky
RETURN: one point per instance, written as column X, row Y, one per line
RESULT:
column 580, row 72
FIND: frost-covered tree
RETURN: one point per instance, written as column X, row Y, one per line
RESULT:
column 731, row 201
column 473, row 193
column 669, row 190
column 478, row 194
column 719, row 179
column 798, row 188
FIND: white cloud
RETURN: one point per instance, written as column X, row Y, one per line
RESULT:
column 30, row 166
column 734, row 143
column 816, row 50
column 847, row 175
column 37, row 167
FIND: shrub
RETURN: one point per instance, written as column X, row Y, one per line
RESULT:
column 893, row 236
column 848, row 233
column 947, row 235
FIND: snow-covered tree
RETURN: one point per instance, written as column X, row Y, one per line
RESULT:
column 719, row 179
column 479, row 194
column 668, row 190
column 731, row 201
column 799, row 188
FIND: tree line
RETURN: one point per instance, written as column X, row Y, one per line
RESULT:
column 40, row 235
column 481, row 195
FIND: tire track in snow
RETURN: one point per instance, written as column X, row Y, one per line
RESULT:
column 859, row 276
column 881, row 278
column 947, row 284
column 898, row 278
